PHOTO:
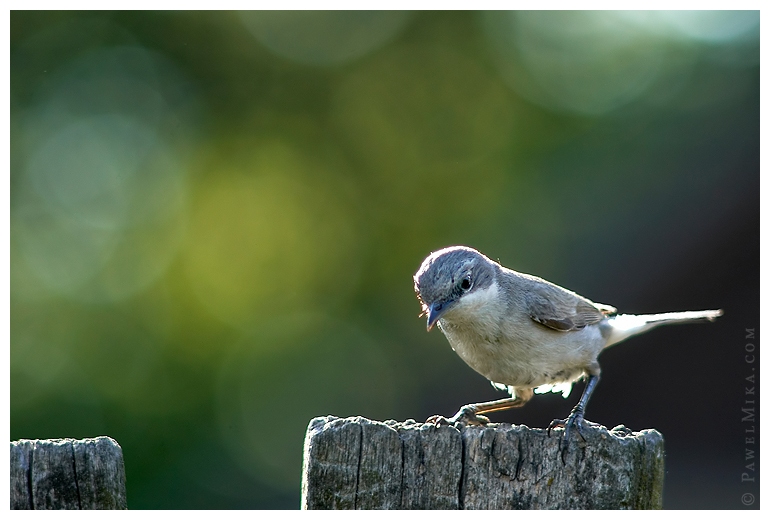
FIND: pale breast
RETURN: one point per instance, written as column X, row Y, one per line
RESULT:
column 528, row 355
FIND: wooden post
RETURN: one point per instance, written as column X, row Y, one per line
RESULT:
column 356, row 463
column 67, row 474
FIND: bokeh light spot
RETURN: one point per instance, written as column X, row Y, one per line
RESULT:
column 95, row 195
column 714, row 26
column 324, row 37
column 277, row 237
column 88, row 171
column 101, row 192
column 587, row 62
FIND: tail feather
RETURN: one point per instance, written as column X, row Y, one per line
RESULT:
column 623, row 326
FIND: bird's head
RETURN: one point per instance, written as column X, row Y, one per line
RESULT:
column 448, row 277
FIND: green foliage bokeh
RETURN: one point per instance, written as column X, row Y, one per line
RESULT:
column 215, row 217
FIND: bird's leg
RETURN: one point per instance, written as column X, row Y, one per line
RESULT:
column 468, row 413
column 575, row 419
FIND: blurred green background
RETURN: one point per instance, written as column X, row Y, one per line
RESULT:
column 215, row 218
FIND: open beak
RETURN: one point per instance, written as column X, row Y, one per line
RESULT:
column 434, row 313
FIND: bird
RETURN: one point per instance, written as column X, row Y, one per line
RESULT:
column 523, row 333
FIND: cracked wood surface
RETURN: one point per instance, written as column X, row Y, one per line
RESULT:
column 67, row 474
column 357, row 463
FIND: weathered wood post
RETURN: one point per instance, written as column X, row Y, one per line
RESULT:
column 356, row 463
column 67, row 474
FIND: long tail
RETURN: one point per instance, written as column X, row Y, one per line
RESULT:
column 624, row 326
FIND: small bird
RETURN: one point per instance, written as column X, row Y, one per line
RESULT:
column 525, row 334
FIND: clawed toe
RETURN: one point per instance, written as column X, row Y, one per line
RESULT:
column 556, row 423
column 573, row 422
column 464, row 417
column 467, row 416
column 438, row 420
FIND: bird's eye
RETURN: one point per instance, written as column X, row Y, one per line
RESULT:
column 466, row 283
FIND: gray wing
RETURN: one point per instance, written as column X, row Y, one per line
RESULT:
column 562, row 310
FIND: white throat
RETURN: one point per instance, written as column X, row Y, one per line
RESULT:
column 479, row 309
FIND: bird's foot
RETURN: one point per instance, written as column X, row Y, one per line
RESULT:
column 573, row 422
column 438, row 420
column 464, row 417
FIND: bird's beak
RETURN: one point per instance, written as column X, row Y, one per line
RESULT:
column 434, row 313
